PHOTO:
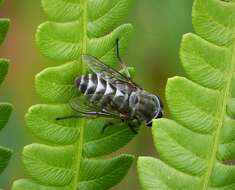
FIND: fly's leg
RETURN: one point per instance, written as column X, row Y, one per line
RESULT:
column 85, row 114
column 68, row 117
column 109, row 124
column 123, row 64
column 131, row 125
column 134, row 125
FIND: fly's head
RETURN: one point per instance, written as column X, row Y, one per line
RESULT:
column 158, row 110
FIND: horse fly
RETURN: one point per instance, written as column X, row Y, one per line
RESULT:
column 110, row 93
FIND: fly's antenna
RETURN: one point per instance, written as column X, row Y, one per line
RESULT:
column 123, row 64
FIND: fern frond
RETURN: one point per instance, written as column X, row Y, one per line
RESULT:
column 5, row 108
column 67, row 161
column 197, row 145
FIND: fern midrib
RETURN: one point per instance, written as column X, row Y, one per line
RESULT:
column 79, row 144
column 221, row 114
column 78, row 155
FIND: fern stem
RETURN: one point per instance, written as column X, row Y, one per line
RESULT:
column 221, row 113
column 83, row 42
column 83, row 4
column 79, row 143
column 78, row 156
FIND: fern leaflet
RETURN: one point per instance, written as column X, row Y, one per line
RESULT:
column 5, row 108
column 66, row 160
column 196, row 147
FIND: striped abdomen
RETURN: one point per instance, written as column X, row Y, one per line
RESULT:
column 102, row 93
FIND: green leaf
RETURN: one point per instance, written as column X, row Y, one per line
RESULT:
column 60, row 42
column 56, row 167
column 5, row 108
column 96, row 174
column 5, row 112
column 5, row 156
column 56, row 84
column 4, row 26
column 196, row 147
column 69, row 160
column 23, row 184
column 4, row 64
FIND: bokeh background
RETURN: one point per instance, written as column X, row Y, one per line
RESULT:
column 159, row 26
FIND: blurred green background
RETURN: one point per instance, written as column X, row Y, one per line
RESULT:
column 159, row 26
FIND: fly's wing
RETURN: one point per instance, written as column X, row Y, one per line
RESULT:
column 108, row 73
column 83, row 106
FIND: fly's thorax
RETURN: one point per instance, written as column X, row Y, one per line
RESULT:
column 145, row 106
